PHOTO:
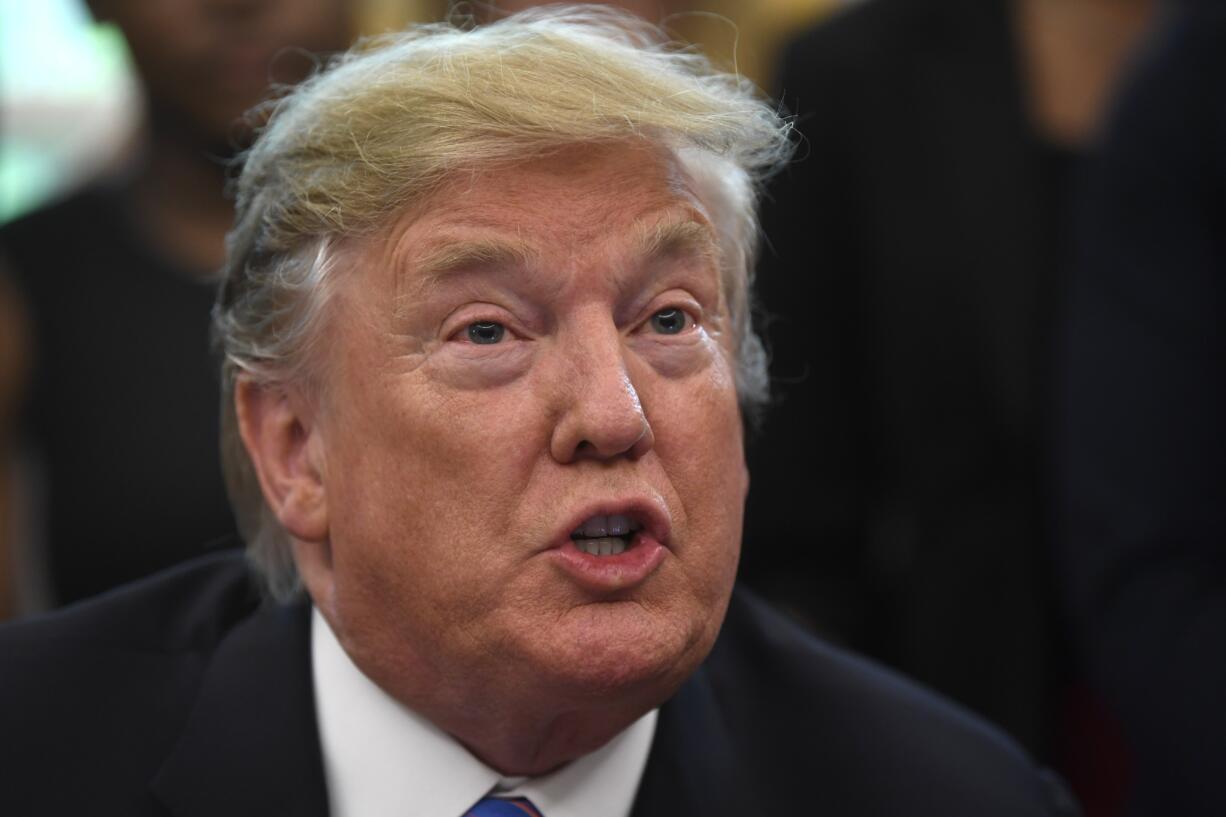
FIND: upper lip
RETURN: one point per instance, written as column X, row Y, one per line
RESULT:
column 647, row 512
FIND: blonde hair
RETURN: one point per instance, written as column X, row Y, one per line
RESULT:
column 381, row 127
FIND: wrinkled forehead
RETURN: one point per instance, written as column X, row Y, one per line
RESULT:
column 630, row 201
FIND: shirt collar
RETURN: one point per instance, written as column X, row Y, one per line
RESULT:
column 381, row 759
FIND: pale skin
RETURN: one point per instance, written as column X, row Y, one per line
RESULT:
column 430, row 482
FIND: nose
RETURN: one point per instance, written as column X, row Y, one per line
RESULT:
column 601, row 415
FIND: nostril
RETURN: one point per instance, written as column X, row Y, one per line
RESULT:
column 598, row 423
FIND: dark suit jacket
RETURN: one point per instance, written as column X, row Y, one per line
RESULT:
column 909, row 271
column 186, row 695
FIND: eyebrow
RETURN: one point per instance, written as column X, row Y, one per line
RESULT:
column 450, row 257
column 675, row 237
column 654, row 239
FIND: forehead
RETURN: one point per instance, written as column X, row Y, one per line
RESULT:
column 579, row 202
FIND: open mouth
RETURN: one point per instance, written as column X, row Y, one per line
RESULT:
column 616, row 547
column 605, row 535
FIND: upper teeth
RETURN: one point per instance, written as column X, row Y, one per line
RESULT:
column 605, row 546
column 600, row 526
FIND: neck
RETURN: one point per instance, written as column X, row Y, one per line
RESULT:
column 523, row 746
column 179, row 203
column 521, row 732
column 1072, row 53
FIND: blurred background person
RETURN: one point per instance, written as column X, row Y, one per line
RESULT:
column 116, row 283
column 917, row 250
column 1143, row 418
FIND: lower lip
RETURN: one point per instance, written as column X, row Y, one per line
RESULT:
column 609, row 574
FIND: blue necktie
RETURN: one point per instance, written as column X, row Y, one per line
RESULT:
column 499, row 807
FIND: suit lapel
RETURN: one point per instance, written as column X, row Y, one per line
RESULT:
column 251, row 744
column 692, row 767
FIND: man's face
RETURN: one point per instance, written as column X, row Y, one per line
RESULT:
column 208, row 62
column 534, row 350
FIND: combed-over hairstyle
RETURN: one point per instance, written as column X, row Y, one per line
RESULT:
column 381, row 127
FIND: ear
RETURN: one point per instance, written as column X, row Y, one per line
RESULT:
column 286, row 450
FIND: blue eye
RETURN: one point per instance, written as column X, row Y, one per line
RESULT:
column 486, row 332
column 669, row 321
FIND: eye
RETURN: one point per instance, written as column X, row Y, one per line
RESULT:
column 485, row 332
column 670, row 321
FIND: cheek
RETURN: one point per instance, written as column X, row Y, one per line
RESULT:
column 674, row 358
column 414, row 556
column 698, row 439
column 441, row 473
column 701, row 407
column 467, row 367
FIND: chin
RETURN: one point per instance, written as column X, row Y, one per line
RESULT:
column 623, row 649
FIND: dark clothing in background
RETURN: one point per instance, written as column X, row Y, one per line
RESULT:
column 1143, row 425
column 200, row 701
column 912, row 261
column 122, row 420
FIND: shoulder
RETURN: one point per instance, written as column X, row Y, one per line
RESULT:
column 1181, row 70
column 186, row 608
column 1191, row 34
column 110, row 680
column 873, row 742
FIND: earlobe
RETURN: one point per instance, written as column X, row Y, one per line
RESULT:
column 284, row 445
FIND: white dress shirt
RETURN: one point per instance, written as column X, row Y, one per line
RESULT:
column 381, row 759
